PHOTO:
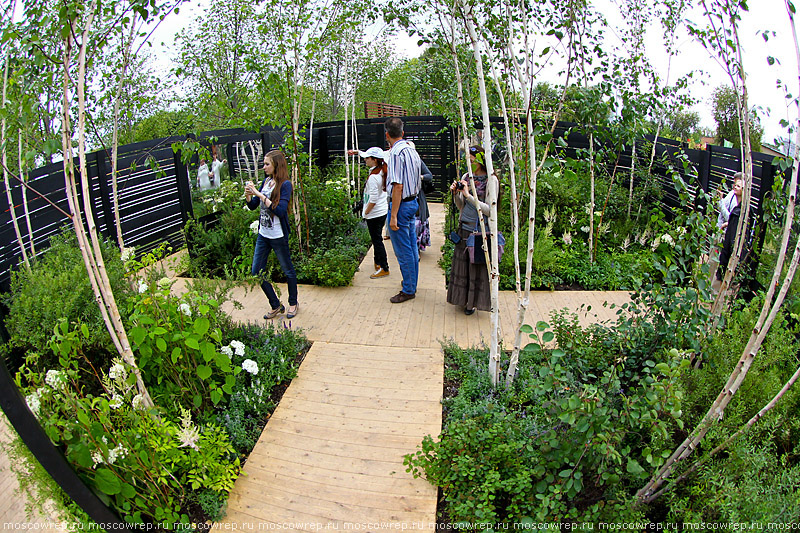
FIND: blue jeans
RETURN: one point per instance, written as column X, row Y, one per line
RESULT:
column 263, row 247
column 404, row 242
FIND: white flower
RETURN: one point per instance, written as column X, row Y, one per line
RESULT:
column 185, row 309
column 142, row 287
column 254, row 226
column 585, row 229
column 656, row 243
column 238, row 347
column 126, row 254
column 250, row 366
column 188, row 434
column 626, row 243
column 567, row 238
column 33, row 401
column 667, row 238
column 117, row 453
column 226, row 350
column 97, row 458
column 137, row 401
column 117, row 371
column 116, row 401
column 56, row 379
column 573, row 219
column 164, row 283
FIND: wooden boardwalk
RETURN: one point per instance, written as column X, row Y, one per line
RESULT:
column 369, row 390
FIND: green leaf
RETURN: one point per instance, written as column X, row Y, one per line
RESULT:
column 138, row 334
column 542, row 326
column 176, row 354
column 161, row 344
column 204, row 372
column 526, row 328
column 127, row 490
column 107, row 482
column 634, row 467
column 201, row 325
column 192, row 343
column 548, row 336
column 216, row 396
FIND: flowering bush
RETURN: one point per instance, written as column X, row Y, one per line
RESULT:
column 140, row 461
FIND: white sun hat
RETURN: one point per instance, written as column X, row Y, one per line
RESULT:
column 374, row 151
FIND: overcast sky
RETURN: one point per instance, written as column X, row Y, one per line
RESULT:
column 762, row 78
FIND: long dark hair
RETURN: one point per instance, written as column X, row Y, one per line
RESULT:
column 281, row 174
column 380, row 166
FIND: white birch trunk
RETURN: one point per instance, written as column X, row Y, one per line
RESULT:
column 491, row 197
column 633, row 170
column 93, row 259
column 23, row 175
column 591, row 197
column 12, row 208
column 311, row 134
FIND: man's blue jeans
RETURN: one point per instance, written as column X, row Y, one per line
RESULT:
column 404, row 242
column 263, row 247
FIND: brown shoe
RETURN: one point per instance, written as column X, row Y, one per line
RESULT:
column 379, row 273
column 275, row 312
column 401, row 297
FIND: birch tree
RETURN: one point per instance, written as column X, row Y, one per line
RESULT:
column 723, row 19
column 78, row 23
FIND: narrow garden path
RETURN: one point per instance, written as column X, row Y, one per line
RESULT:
column 368, row 391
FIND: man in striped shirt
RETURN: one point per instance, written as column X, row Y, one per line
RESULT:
column 405, row 181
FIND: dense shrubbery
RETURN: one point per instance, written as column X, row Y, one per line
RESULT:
column 214, row 384
column 329, row 256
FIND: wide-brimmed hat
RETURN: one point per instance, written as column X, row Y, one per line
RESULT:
column 374, row 151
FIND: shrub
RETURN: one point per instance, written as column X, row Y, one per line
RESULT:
column 57, row 286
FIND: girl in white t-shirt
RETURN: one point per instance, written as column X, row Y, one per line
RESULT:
column 376, row 206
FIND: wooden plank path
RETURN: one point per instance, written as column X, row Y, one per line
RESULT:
column 368, row 391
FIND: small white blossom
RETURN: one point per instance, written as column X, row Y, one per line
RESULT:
column 164, row 283
column 142, row 287
column 226, row 350
column 56, row 379
column 119, row 452
column 254, row 226
column 626, row 243
column 188, row 434
column 117, row 371
column 185, row 309
column 567, row 238
column 250, row 366
column 137, row 401
column 34, row 402
column 667, row 238
column 97, row 458
column 656, row 243
column 116, row 401
column 585, row 229
column 126, row 254
column 238, row 347
column 573, row 219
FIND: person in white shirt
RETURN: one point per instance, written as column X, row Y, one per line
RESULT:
column 733, row 198
column 202, row 176
column 216, row 165
column 376, row 206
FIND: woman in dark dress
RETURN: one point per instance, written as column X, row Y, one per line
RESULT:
column 469, row 282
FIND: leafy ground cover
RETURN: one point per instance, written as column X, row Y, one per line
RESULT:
column 214, row 384
column 595, row 410
column 328, row 254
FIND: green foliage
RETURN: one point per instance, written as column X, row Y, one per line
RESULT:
column 139, row 461
column 57, row 286
column 726, row 115
column 562, row 443
column 274, row 351
column 223, row 249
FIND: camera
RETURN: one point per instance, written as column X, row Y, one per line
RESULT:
column 460, row 186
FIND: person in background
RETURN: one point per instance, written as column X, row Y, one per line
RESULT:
column 422, row 226
column 403, row 165
column 272, row 198
column 375, row 206
column 469, row 282
column 732, row 206
column 203, row 182
column 216, row 165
